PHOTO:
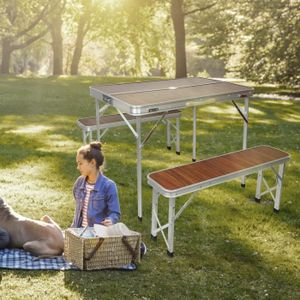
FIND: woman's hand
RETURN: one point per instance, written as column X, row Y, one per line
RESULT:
column 107, row 222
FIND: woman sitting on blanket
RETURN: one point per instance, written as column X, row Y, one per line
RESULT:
column 96, row 196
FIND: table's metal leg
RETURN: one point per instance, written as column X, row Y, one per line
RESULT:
column 245, row 133
column 177, row 136
column 155, row 196
column 97, row 119
column 171, row 226
column 279, row 187
column 139, row 166
column 168, row 134
column 194, row 132
column 258, row 186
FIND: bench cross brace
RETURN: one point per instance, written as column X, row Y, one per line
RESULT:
column 173, row 216
column 269, row 190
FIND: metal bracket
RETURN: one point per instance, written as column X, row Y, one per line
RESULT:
column 103, row 109
column 107, row 99
column 128, row 124
column 240, row 112
column 152, row 130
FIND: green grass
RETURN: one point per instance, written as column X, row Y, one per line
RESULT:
column 226, row 246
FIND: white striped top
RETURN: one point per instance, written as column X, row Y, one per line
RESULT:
column 88, row 188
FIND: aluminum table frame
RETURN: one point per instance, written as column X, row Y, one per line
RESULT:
column 142, row 98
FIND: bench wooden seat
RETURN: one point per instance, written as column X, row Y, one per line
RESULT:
column 193, row 177
column 88, row 125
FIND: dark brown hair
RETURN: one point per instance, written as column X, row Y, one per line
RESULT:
column 92, row 151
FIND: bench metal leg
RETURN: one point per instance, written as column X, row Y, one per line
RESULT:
column 84, row 137
column 155, row 196
column 85, row 134
column 175, row 140
column 171, row 226
column 98, row 118
column 269, row 190
column 279, row 187
column 258, row 186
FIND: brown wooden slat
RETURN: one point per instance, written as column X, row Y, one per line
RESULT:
column 186, row 175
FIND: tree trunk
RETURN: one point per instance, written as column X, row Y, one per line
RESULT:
column 57, row 44
column 55, row 26
column 178, row 24
column 78, row 46
column 6, row 54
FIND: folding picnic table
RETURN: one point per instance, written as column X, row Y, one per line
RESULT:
column 143, row 98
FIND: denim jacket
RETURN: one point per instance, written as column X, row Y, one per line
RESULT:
column 103, row 202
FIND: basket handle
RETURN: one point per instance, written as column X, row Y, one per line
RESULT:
column 91, row 254
column 132, row 251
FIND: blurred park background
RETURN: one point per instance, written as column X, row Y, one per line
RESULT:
column 251, row 39
column 227, row 246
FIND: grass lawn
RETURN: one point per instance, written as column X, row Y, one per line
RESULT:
column 226, row 245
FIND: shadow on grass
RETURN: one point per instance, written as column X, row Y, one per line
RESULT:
column 211, row 259
column 23, row 274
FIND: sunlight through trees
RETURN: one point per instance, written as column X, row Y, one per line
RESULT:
column 255, row 40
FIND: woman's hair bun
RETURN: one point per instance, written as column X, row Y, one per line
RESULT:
column 96, row 145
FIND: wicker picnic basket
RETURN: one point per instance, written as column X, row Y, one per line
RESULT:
column 92, row 253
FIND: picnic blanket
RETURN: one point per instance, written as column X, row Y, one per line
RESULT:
column 20, row 259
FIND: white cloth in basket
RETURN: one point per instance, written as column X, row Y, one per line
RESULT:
column 118, row 229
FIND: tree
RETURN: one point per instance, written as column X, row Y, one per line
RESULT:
column 84, row 15
column 177, row 15
column 257, row 37
column 179, row 10
column 55, row 22
column 139, row 37
column 270, row 43
column 22, row 26
column 82, row 29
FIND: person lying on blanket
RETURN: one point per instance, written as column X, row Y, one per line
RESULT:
column 96, row 196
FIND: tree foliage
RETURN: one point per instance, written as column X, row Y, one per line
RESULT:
column 22, row 25
column 255, row 39
column 270, row 41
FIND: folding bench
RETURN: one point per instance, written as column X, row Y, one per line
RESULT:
column 196, row 176
column 88, row 125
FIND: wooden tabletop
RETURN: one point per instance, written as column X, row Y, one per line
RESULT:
column 166, row 91
column 186, row 175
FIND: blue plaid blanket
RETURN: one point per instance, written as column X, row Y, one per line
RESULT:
column 20, row 259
